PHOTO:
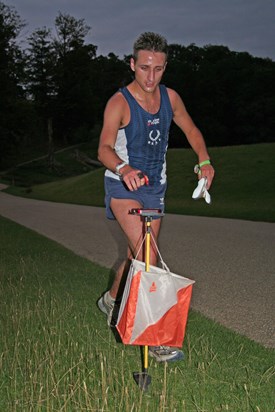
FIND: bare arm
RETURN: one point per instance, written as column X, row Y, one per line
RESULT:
column 113, row 119
column 192, row 133
column 116, row 115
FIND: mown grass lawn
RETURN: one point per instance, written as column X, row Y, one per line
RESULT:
column 243, row 187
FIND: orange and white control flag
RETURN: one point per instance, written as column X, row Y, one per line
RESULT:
column 154, row 307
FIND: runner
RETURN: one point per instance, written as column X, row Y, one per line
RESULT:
column 133, row 145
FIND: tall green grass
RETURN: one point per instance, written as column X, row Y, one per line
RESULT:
column 243, row 187
column 57, row 353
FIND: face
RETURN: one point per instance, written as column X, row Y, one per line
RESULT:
column 149, row 68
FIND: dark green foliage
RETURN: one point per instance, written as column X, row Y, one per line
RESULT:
column 54, row 92
column 11, row 63
column 230, row 95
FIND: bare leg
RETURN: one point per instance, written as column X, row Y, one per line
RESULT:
column 133, row 228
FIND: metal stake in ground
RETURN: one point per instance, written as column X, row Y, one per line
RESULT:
column 143, row 379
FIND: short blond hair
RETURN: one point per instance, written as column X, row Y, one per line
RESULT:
column 152, row 42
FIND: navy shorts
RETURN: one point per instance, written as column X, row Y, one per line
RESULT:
column 151, row 197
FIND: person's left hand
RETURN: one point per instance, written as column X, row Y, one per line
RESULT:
column 208, row 172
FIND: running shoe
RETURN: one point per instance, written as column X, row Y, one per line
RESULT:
column 165, row 353
column 106, row 305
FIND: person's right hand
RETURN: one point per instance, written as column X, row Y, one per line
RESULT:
column 134, row 178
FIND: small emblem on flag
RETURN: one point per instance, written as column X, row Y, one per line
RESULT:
column 153, row 287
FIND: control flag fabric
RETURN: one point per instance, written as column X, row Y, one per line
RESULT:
column 154, row 307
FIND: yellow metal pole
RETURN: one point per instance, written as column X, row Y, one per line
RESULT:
column 147, row 246
column 143, row 379
column 147, row 268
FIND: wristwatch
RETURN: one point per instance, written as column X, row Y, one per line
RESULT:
column 120, row 166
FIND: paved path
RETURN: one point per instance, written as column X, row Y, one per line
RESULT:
column 232, row 261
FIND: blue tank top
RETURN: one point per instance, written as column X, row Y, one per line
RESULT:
column 143, row 142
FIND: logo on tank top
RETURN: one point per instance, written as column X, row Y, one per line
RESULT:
column 154, row 135
column 152, row 122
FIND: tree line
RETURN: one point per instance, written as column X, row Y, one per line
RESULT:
column 54, row 89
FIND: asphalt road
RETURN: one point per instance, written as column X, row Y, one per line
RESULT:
column 232, row 261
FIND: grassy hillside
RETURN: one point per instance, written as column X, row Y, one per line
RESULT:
column 243, row 186
column 58, row 354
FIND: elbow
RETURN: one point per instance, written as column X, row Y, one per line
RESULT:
column 99, row 154
column 103, row 153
